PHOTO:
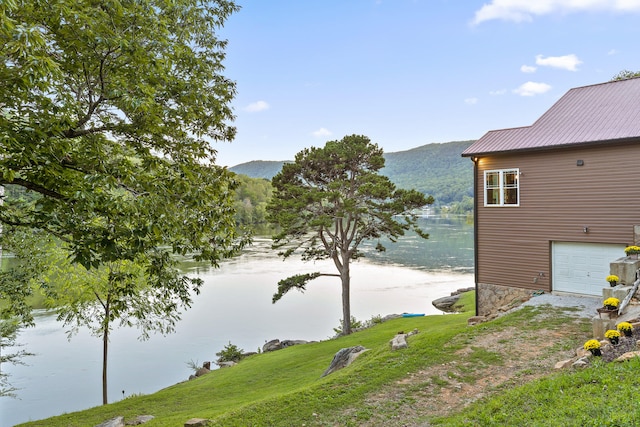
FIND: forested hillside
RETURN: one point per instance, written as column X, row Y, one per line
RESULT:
column 266, row 169
column 434, row 169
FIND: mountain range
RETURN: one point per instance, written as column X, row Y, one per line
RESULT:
column 436, row 169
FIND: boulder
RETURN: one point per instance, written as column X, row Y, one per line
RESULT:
column 226, row 364
column 343, row 358
column 113, row 422
column 201, row 371
column 272, row 345
column 446, row 304
column 563, row 364
column 628, row 356
column 289, row 343
column 399, row 342
column 140, row 419
column 197, row 422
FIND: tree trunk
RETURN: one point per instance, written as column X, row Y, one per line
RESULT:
column 105, row 347
column 346, row 301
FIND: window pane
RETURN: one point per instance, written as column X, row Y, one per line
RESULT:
column 493, row 197
column 511, row 179
column 510, row 196
column 492, row 179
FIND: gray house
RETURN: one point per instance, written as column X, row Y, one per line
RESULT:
column 559, row 200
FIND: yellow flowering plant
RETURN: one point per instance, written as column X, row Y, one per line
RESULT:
column 611, row 303
column 592, row 345
column 612, row 278
column 612, row 334
column 625, row 327
column 630, row 250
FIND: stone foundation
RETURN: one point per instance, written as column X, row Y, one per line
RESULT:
column 494, row 298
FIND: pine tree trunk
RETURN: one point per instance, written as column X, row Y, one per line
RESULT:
column 346, row 299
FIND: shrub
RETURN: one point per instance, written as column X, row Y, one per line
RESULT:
column 230, row 353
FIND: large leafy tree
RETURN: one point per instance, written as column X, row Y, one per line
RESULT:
column 330, row 200
column 107, row 110
column 107, row 114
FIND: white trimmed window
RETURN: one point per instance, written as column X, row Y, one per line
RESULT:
column 502, row 187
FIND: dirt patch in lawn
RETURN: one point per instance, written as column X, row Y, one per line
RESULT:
column 487, row 362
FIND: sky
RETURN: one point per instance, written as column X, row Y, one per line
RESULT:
column 406, row 73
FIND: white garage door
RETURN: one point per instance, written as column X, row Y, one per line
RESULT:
column 582, row 267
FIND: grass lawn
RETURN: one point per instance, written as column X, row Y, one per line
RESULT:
column 447, row 362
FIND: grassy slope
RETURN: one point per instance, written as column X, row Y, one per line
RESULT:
column 284, row 388
column 268, row 388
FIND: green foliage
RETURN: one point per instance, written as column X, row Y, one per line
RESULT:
column 251, row 198
column 355, row 324
column 436, row 169
column 107, row 113
column 230, row 353
column 21, row 274
column 108, row 129
column 330, row 200
column 625, row 74
column 298, row 281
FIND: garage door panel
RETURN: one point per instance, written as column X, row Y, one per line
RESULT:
column 582, row 267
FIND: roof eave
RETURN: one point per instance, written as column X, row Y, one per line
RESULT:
column 554, row 147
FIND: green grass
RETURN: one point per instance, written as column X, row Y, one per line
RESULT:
column 285, row 388
column 268, row 388
column 602, row 395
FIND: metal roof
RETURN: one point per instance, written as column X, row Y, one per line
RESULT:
column 589, row 114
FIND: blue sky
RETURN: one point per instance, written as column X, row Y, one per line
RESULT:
column 411, row 72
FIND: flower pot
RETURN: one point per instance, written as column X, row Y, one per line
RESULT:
column 627, row 333
column 614, row 340
column 596, row 352
column 612, row 284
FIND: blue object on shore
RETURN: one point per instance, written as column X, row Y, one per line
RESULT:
column 412, row 314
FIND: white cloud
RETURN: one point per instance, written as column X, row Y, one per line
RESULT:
column 528, row 69
column 497, row 92
column 321, row 132
column 612, row 52
column 566, row 62
column 526, row 10
column 532, row 89
column 257, row 106
column 471, row 101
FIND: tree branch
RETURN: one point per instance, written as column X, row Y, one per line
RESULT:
column 35, row 187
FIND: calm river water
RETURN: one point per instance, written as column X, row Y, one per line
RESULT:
column 235, row 306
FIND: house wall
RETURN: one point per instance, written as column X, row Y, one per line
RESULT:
column 557, row 200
